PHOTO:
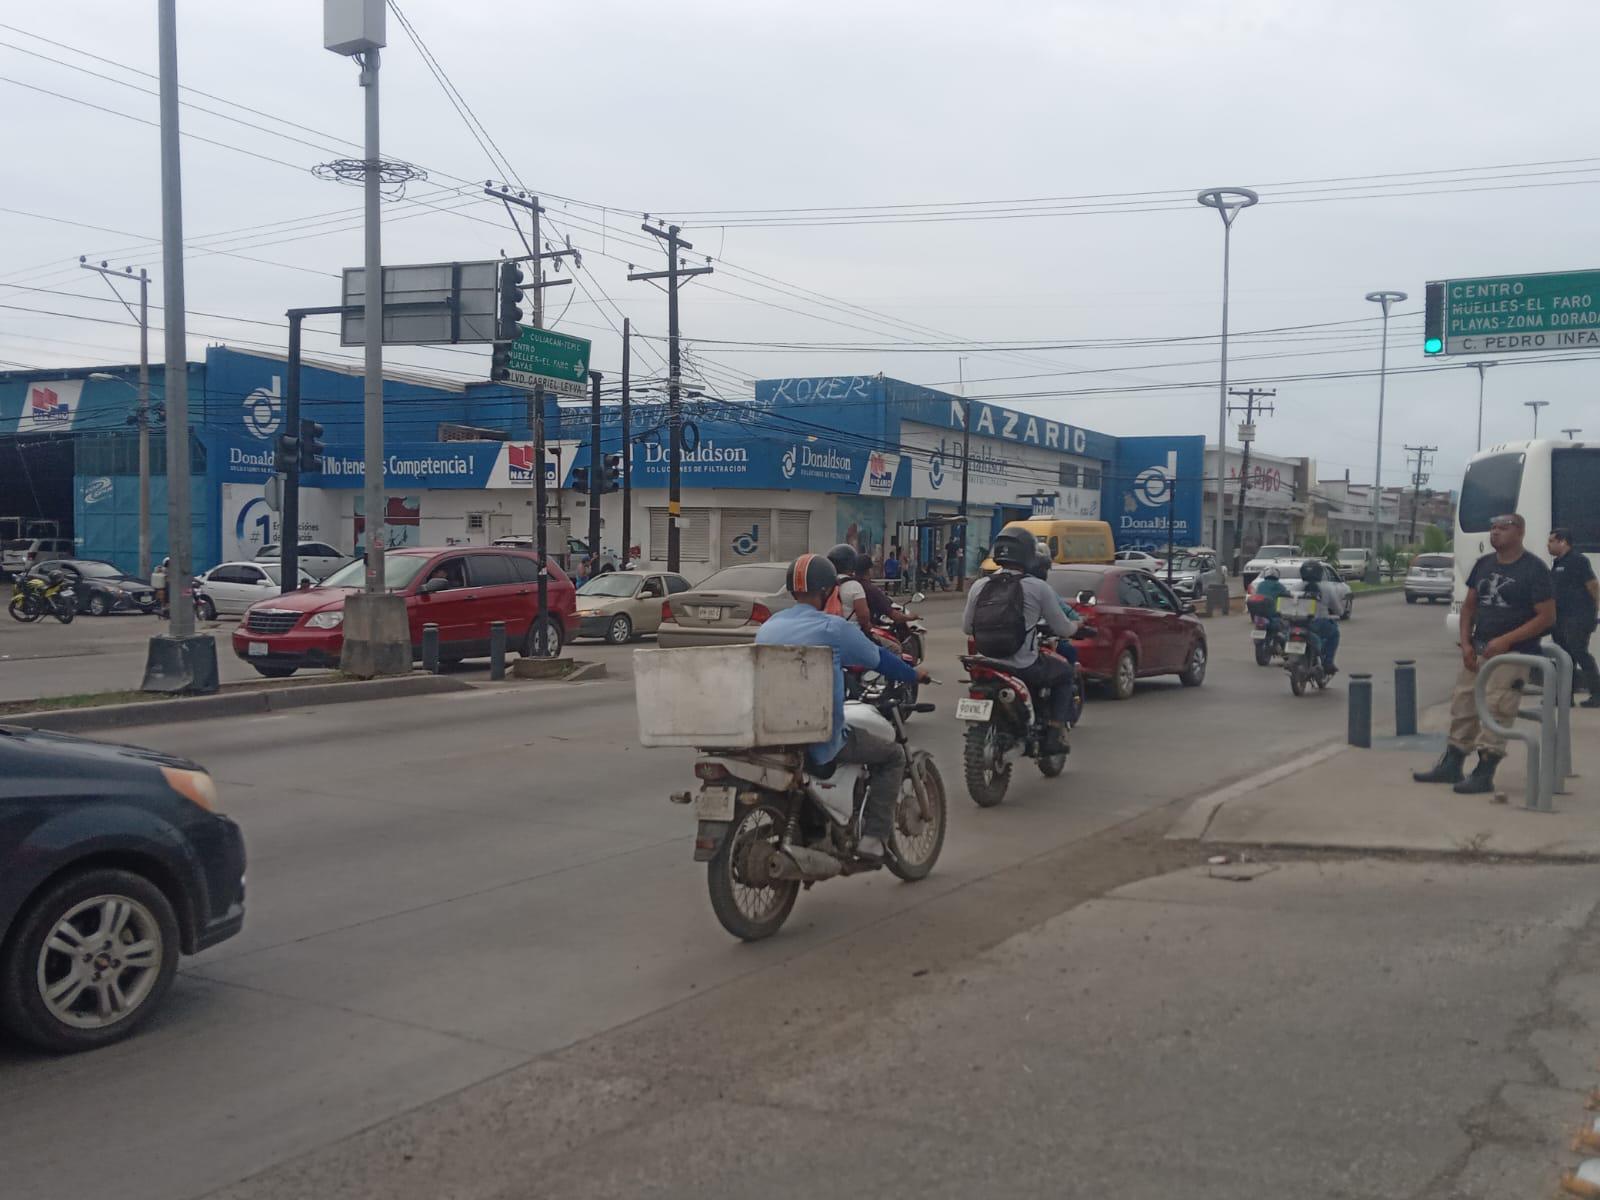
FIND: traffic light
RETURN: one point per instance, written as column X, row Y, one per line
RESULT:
column 1433, row 319
column 611, row 475
column 512, row 284
column 286, row 455
column 311, row 446
column 580, row 479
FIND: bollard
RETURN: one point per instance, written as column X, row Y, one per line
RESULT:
column 497, row 650
column 1405, row 697
column 1563, row 662
column 1360, row 711
column 430, row 649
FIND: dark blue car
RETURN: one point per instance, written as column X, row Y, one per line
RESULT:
column 114, row 861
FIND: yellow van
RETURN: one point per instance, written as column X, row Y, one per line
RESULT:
column 1068, row 541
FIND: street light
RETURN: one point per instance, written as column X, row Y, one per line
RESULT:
column 1227, row 201
column 1572, row 433
column 1482, row 367
column 143, row 317
column 1536, row 405
column 1387, row 300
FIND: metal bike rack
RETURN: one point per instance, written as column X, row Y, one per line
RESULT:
column 1543, row 750
column 1564, row 671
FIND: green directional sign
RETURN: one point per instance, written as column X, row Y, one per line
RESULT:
column 1502, row 314
column 557, row 362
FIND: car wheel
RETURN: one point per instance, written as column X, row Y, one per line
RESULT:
column 99, row 606
column 89, row 961
column 1124, row 676
column 1411, row 598
column 620, row 631
column 1194, row 671
column 275, row 672
column 205, row 608
column 552, row 638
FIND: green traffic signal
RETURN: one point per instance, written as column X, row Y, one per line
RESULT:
column 1433, row 345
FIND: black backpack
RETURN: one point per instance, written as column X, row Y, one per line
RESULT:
column 999, row 626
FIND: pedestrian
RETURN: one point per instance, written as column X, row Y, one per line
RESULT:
column 1577, row 601
column 954, row 559
column 1509, row 606
column 891, row 571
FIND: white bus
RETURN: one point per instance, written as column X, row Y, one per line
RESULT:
column 1553, row 484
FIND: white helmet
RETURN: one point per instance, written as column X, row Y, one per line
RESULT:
column 1270, row 573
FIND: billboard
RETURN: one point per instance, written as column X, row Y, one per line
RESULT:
column 1156, row 492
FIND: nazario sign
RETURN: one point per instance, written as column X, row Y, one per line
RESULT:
column 557, row 362
column 1501, row 314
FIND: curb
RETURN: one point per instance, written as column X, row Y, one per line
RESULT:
column 234, row 704
column 1197, row 818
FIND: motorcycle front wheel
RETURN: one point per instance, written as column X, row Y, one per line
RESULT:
column 1263, row 654
column 986, row 781
column 63, row 613
column 748, row 906
column 916, row 842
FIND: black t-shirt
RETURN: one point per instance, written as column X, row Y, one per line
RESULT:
column 1507, row 594
column 1570, row 577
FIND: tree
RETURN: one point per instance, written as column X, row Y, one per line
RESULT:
column 1434, row 540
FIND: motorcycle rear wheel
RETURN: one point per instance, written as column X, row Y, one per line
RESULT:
column 749, row 912
column 1297, row 681
column 21, row 609
column 912, row 858
column 985, row 783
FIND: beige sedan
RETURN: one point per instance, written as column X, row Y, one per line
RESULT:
column 620, row 605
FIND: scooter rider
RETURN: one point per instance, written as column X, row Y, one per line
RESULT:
column 1324, row 626
column 1013, row 552
column 812, row 580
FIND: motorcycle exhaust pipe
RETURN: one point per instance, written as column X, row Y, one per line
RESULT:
column 1007, row 695
column 803, row 865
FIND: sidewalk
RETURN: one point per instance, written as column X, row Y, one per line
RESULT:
column 1348, row 798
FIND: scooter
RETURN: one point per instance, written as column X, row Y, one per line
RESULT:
column 1007, row 721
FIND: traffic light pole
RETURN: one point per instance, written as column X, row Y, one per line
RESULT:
column 627, row 458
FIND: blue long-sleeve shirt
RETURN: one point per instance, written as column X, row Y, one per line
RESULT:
column 803, row 625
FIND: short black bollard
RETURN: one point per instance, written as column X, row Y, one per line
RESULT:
column 1405, row 697
column 430, row 649
column 497, row 649
column 1360, row 711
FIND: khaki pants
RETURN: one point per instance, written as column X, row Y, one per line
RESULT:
column 1504, row 696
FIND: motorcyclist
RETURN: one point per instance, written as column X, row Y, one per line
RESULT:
column 812, row 581
column 849, row 599
column 1323, row 626
column 1269, row 590
column 1013, row 552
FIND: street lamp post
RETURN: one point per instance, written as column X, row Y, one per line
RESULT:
column 1387, row 300
column 1482, row 367
column 143, row 317
column 1536, row 405
column 1572, row 433
column 1227, row 201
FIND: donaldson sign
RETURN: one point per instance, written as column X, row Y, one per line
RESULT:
column 1156, row 493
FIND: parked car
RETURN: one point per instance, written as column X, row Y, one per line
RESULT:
column 727, row 608
column 232, row 587
column 1431, row 577
column 1193, row 573
column 102, row 587
column 460, row 589
column 1138, row 558
column 574, row 558
column 1141, row 627
column 1347, row 597
column 114, row 861
column 1353, row 563
column 1286, row 558
column 18, row 556
column 620, row 605
column 317, row 559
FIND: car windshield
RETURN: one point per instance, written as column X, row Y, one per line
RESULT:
column 18, row 544
column 610, row 585
column 763, row 579
column 95, row 570
column 1191, row 562
column 398, row 570
column 1276, row 552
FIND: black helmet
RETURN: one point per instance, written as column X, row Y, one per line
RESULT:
column 810, row 574
column 864, row 565
column 1311, row 571
column 843, row 558
column 1014, row 548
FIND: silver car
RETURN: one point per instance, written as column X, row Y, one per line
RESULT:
column 728, row 608
column 1431, row 577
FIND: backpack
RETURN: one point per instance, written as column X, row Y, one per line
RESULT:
column 999, row 627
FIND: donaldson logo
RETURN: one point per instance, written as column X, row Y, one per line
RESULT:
column 238, row 457
column 1153, row 486
column 789, row 461
column 936, row 471
column 263, row 410
column 746, row 544
column 708, row 456
column 803, row 458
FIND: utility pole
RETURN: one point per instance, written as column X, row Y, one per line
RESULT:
column 1418, row 478
column 966, row 437
column 1482, row 367
column 596, row 461
column 676, row 271
column 143, row 279
column 627, row 455
column 1247, row 434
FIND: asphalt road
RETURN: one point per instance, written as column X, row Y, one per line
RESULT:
column 490, row 889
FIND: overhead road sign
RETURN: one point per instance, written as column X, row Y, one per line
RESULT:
column 425, row 304
column 557, row 362
column 1504, row 314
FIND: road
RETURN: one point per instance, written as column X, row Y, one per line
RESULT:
column 486, row 896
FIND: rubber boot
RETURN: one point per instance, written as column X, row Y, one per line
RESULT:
column 1482, row 778
column 1446, row 770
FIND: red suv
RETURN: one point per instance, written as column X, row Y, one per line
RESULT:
column 460, row 590
column 1141, row 627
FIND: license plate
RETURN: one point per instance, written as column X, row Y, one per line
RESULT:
column 974, row 710
column 257, row 650
column 708, row 614
column 1258, row 635
column 1294, row 648
column 715, row 803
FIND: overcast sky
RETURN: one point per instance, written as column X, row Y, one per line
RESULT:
column 712, row 109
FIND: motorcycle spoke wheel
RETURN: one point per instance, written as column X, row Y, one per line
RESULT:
column 986, row 781
column 749, row 908
column 912, row 854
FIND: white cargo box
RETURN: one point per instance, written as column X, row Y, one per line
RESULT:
column 734, row 697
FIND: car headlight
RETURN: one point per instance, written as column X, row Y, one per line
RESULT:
column 326, row 620
column 196, row 786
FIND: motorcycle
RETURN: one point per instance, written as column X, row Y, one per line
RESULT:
column 1007, row 722
column 769, row 823
column 1269, row 640
column 1303, row 658
column 900, row 635
column 33, row 598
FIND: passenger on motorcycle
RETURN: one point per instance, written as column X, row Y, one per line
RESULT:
column 1269, row 588
column 812, row 581
column 849, row 599
column 1013, row 553
column 1039, row 568
column 1324, row 627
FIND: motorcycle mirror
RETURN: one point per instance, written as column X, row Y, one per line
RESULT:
column 1085, row 597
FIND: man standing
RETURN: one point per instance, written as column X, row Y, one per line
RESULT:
column 955, row 559
column 1509, row 606
column 1577, row 599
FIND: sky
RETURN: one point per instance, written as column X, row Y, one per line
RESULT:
column 830, row 160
